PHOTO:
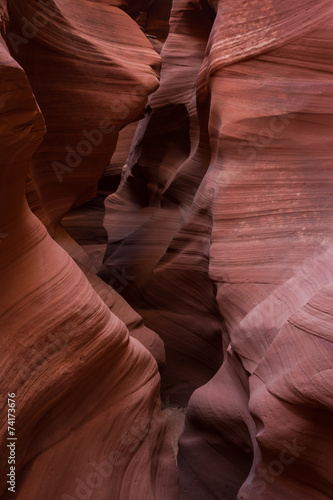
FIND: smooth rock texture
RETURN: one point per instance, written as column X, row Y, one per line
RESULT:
column 88, row 418
column 98, row 69
column 171, row 289
column 241, row 150
column 203, row 267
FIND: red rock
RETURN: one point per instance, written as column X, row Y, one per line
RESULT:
column 252, row 137
column 88, row 418
column 219, row 238
column 168, row 283
column 94, row 80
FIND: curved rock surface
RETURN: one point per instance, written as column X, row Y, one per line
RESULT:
column 98, row 68
column 88, row 419
column 270, row 259
column 171, row 288
column 219, row 245
column 242, row 155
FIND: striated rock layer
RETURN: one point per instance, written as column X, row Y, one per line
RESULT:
column 171, row 288
column 88, row 419
column 271, row 256
column 219, row 245
column 223, row 216
column 98, row 68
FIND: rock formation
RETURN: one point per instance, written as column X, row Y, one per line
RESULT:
column 206, row 256
column 88, row 419
column 239, row 182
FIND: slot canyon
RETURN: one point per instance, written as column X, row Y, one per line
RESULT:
column 166, row 249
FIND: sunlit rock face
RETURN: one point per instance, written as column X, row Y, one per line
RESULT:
column 203, row 267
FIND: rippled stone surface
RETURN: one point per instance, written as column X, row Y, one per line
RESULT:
column 88, row 415
column 217, row 233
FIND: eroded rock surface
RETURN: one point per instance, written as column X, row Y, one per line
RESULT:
column 218, row 246
column 88, row 418
column 242, row 155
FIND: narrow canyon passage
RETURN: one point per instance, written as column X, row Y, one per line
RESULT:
column 166, row 249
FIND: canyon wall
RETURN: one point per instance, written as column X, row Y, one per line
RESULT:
column 166, row 224
column 88, row 417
